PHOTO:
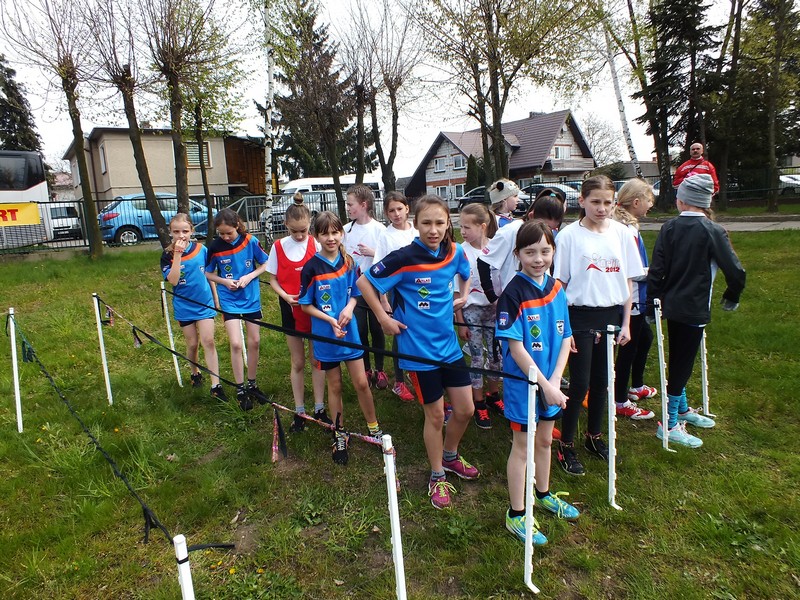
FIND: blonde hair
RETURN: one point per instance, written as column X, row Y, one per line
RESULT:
column 482, row 215
column 178, row 217
column 633, row 189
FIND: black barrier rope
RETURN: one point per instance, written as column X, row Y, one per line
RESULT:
column 150, row 518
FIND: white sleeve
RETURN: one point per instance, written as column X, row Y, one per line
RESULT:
column 499, row 247
column 561, row 270
column 272, row 260
column 633, row 261
column 381, row 247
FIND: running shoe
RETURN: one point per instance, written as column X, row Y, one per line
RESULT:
column 339, row 448
column 381, row 380
column 197, row 379
column 679, row 435
column 218, row 393
column 556, row 433
column 370, row 378
column 693, row 417
column 516, row 525
column 481, row 416
column 642, row 393
column 630, row 410
column 557, row 506
column 596, row 445
column 401, row 390
column 245, row 400
column 298, row 424
column 321, row 415
column 461, row 467
column 257, row 394
column 568, row 460
column 495, row 402
column 440, row 490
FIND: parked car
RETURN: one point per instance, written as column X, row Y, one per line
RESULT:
column 315, row 201
column 127, row 221
column 479, row 194
column 62, row 221
column 789, row 184
column 569, row 194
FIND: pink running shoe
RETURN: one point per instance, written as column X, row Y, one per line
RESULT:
column 461, row 468
column 401, row 390
column 439, row 491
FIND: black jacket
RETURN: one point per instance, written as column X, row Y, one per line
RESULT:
column 680, row 272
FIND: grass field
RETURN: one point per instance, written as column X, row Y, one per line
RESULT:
column 719, row 522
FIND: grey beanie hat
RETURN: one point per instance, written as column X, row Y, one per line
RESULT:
column 502, row 189
column 696, row 190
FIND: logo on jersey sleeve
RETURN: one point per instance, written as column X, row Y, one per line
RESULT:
column 503, row 319
column 560, row 327
column 377, row 268
column 422, row 280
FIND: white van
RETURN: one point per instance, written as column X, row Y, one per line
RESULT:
column 325, row 184
column 62, row 220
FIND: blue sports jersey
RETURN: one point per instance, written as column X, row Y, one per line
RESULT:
column 192, row 284
column 329, row 286
column 538, row 317
column 423, row 299
column 232, row 261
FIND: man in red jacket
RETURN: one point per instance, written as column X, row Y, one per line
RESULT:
column 694, row 166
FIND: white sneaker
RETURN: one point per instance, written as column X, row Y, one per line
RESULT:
column 693, row 417
column 679, row 435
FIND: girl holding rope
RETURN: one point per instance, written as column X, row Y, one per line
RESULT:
column 421, row 275
column 235, row 260
column 328, row 295
column 286, row 261
column 183, row 265
column 533, row 322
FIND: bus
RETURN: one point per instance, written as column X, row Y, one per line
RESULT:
column 23, row 190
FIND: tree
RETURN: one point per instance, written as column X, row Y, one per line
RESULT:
column 473, row 180
column 17, row 128
column 603, row 139
column 114, row 32
column 51, row 35
column 317, row 99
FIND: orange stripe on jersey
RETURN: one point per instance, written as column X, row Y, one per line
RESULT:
column 334, row 275
column 193, row 253
column 244, row 243
column 541, row 301
column 433, row 266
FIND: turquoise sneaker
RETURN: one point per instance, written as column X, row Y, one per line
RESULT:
column 679, row 435
column 693, row 417
column 516, row 525
column 557, row 506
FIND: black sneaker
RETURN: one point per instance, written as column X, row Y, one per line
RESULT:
column 340, row 448
column 197, row 379
column 321, row 415
column 495, row 402
column 596, row 445
column 257, row 394
column 568, row 461
column 481, row 416
column 298, row 425
column 245, row 400
column 219, row 393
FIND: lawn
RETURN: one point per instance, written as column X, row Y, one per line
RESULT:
column 719, row 522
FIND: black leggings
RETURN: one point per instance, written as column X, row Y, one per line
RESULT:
column 588, row 368
column 632, row 358
column 365, row 319
column 684, row 341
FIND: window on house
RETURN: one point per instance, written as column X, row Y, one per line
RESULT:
column 459, row 162
column 438, row 165
column 193, row 155
column 441, row 191
column 563, row 179
column 459, row 190
column 561, row 152
column 525, row 182
column 103, row 167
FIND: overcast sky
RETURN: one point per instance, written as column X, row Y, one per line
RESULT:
column 418, row 129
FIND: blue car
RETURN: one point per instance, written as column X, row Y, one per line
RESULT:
column 127, row 221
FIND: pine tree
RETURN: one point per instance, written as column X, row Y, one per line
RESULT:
column 17, row 129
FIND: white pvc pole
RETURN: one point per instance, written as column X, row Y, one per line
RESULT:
column 184, row 570
column 704, row 375
column 530, row 478
column 662, row 369
column 612, row 420
column 100, row 338
column 12, row 332
column 394, row 517
column 165, row 306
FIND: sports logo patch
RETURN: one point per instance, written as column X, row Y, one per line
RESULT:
column 537, row 346
column 326, row 308
column 536, row 331
column 326, row 297
column 248, row 263
column 423, row 305
column 323, row 286
column 376, row 269
column 228, row 268
column 224, row 261
column 423, row 292
column 560, row 327
column 422, row 280
column 533, row 318
column 503, row 319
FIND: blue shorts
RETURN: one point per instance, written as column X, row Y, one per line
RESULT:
column 430, row 385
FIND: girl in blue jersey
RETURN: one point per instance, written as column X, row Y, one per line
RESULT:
column 235, row 260
column 533, row 322
column 421, row 275
column 183, row 264
column 504, row 195
column 328, row 294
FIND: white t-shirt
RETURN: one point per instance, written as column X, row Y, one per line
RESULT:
column 393, row 239
column 595, row 267
column 476, row 296
column 499, row 254
column 367, row 234
column 293, row 250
